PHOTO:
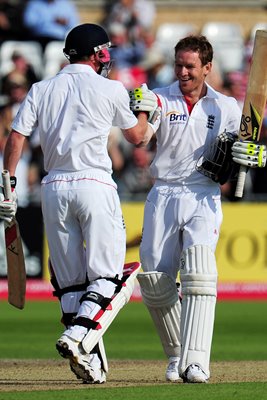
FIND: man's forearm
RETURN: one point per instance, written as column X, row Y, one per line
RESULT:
column 12, row 152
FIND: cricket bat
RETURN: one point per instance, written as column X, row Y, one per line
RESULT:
column 16, row 273
column 255, row 101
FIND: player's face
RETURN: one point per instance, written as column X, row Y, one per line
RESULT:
column 189, row 71
column 105, row 63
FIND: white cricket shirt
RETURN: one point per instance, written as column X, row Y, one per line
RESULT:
column 182, row 138
column 73, row 113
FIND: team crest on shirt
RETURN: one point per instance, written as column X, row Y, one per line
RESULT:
column 175, row 117
column 211, row 121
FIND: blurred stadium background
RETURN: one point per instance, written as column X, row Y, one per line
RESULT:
column 242, row 250
column 246, row 12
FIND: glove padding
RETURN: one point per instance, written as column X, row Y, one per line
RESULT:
column 143, row 99
column 216, row 160
column 8, row 208
column 249, row 154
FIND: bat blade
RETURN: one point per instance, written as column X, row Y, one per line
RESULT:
column 16, row 272
column 255, row 100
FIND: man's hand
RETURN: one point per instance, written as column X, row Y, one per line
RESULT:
column 249, row 154
column 8, row 208
column 144, row 100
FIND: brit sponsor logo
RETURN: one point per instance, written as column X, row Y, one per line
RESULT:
column 175, row 117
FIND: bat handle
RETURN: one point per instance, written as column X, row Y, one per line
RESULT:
column 7, row 184
column 241, row 181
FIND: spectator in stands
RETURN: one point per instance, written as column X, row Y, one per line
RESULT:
column 115, row 151
column 126, row 57
column 130, row 77
column 145, row 11
column 159, row 73
column 20, row 67
column 127, row 53
column 48, row 20
column 236, row 82
column 107, row 7
column 28, row 178
column 136, row 181
column 16, row 87
column 135, row 15
column 11, row 20
column 215, row 77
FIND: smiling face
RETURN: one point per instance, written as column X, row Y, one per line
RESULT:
column 190, row 72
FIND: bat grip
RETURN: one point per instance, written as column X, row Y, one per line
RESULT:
column 241, row 181
column 7, row 184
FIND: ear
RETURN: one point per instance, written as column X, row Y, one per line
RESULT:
column 207, row 68
column 94, row 62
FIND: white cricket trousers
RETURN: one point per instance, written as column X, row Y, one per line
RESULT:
column 177, row 217
column 84, row 226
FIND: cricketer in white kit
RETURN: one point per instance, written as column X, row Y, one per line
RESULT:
column 73, row 113
column 183, row 212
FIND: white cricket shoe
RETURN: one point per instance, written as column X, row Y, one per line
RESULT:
column 85, row 366
column 194, row 374
column 89, row 370
column 172, row 374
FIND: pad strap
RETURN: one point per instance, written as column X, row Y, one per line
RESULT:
column 68, row 319
column 105, row 316
column 58, row 292
column 97, row 298
column 86, row 322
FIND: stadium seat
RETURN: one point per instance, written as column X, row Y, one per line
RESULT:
column 228, row 44
column 168, row 34
column 31, row 50
column 53, row 58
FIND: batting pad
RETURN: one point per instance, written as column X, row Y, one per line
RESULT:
column 160, row 295
column 119, row 300
column 198, row 276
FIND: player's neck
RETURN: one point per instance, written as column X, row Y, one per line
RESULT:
column 192, row 98
column 189, row 103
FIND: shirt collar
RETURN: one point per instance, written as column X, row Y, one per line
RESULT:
column 175, row 90
column 76, row 68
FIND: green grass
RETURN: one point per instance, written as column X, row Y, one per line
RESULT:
column 31, row 332
column 239, row 334
column 240, row 331
column 237, row 391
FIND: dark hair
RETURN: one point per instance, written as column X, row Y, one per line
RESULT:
column 196, row 43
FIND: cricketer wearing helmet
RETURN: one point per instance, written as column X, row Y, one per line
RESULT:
column 183, row 213
column 73, row 113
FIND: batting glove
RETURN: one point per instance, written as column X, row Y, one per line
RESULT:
column 249, row 154
column 144, row 100
column 8, row 208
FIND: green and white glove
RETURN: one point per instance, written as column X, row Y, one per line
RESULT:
column 249, row 154
column 144, row 100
